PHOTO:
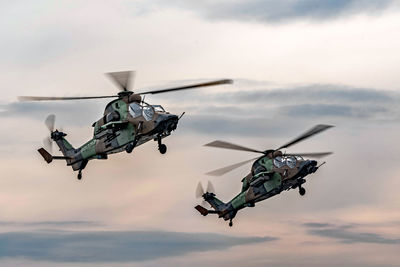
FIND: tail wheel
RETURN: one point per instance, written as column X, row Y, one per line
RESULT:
column 79, row 175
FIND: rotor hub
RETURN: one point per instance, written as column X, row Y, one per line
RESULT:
column 122, row 94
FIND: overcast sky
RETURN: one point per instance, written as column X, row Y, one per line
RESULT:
column 295, row 63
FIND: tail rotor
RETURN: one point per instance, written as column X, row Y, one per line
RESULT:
column 48, row 144
column 49, row 122
column 201, row 193
column 54, row 133
column 199, row 190
column 210, row 188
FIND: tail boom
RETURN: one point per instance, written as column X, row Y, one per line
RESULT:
column 48, row 157
column 203, row 211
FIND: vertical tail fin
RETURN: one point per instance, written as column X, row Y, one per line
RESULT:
column 217, row 204
column 65, row 147
column 214, row 202
column 71, row 155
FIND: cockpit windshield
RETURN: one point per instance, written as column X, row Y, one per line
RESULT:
column 135, row 110
column 144, row 109
column 158, row 108
column 289, row 161
column 148, row 112
column 279, row 162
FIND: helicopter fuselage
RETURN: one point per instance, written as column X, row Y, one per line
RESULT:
column 127, row 122
column 124, row 125
column 269, row 176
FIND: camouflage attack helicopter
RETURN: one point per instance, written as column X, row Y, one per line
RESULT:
column 270, row 174
column 127, row 122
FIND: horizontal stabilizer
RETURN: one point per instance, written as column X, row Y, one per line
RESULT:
column 46, row 155
column 202, row 210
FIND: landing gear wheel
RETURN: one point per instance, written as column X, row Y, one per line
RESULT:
column 129, row 148
column 302, row 191
column 79, row 175
column 230, row 223
column 162, row 148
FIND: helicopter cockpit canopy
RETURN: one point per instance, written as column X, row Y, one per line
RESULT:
column 289, row 161
column 145, row 110
column 158, row 108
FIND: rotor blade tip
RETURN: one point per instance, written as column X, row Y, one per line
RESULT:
column 229, row 81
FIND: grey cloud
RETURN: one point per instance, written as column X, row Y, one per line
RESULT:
column 225, row 125
column 253, row 112
column 316, row 101
column 71, row 113
column 326, row 110
column 65, row 246
column 314, row 92
column 316, row 225
column 347, row 234
column 248, row 111
column 50, row 223
column 276, row 11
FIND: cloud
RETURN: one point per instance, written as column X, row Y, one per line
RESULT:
column 70, row 113
column 49, row 223
column 65, row 246
column 313, row 92
column 247, row 111
column 229, row 125
column 326, row 110
column 346, row 234
column 276, row 11
column 252, row 112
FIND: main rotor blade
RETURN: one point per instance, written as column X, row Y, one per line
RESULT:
column 219, row 82
column 50, row 120
column 122, row 79
column 226, row 145
column 50, row 98
column 199, row 190
column 311, row 155
column 224, row 170
column 313, row 131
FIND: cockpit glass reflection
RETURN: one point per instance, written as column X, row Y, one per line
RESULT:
column 148, row 113
column 158, row 108
column 279, row 162
column 135, row 110
column 146, row 110
column 291, row 162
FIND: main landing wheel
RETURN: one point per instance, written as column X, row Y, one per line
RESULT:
column 302, row 191
column 79, row 175
column 162, row 148
column 129, row 148
column 230, row 223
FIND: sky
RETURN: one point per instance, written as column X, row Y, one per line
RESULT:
column 295, row 63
